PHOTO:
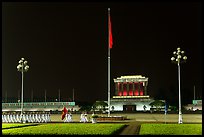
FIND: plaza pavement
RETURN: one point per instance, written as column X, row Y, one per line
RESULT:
column 134, row 120
column 141, row 117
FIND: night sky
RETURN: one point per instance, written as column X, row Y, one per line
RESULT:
column 66, row 46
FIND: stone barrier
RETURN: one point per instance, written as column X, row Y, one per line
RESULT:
column 111, row 118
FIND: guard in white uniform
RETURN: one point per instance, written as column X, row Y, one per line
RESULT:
column 43, row 118
column 49, row 119
column 33, row 118
column 7, row 118
column 4, row 118
column 39, row 117
column 36, row 118
column 86, row 117
column 14, row 118
column 30, row 118
column 69, row 117
column 46, row 117
column 18, row 118
column 66, row 118
column 82, row 117
column 24, row 118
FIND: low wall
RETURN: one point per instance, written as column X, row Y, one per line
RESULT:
column 111, row 118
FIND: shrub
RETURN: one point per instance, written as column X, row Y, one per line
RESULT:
column 94, row 116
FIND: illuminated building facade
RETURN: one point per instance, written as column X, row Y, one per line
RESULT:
column 131, row 86
column 131, row 94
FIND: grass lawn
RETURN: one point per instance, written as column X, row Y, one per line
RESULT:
column 171, row 129
column 15, row 125
column 61, row 129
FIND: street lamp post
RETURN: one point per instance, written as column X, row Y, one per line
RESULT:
column 179, row 58
column 22, row 67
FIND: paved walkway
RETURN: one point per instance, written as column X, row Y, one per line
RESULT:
column 132, row 128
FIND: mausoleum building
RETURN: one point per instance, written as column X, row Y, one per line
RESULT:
column 131, row 94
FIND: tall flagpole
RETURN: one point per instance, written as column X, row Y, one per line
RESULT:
column 45, row 95
column 32, row 95
column 108, row 63
column 6, row 97
column 59, row 95
column 73, row 96
column 194, row 92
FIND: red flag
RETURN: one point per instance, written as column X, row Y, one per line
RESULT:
column 64, row 113
column 110, row 33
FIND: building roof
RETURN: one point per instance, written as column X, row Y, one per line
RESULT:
column 131, row 78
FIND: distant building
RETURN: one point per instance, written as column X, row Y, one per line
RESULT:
column 39, row 106
column 130, row 94
column 196, row 105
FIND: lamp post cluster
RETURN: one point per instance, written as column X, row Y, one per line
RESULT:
column 179, row 58
column 22, row 67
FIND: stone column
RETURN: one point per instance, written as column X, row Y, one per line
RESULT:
column 122, row 84
column 116, row 88
column 136, row 88
column 133, row 87
column 145, row 88
column 142, row 88
column 127, row 88
column 124, row 88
